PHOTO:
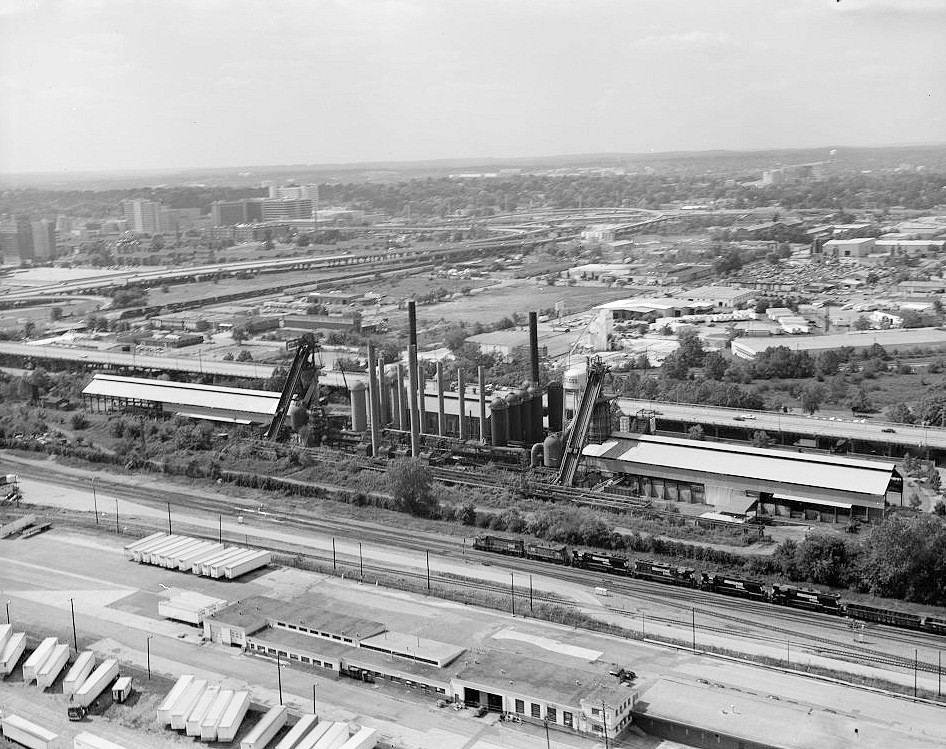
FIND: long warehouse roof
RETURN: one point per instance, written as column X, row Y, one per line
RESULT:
column 184, row 394
column 801, row 469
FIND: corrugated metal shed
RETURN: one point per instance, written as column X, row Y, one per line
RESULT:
column 184, row 394
column 801, row 469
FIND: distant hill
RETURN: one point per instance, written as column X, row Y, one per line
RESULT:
column 931, row 157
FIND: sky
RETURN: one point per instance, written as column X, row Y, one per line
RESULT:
column 96, row 85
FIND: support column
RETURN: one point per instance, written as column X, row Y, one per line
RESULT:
column 400, row 420
column 441, row 412
column 412, row 396
column 461, row 390
column 374, row 403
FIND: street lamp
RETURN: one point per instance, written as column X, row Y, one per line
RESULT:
column 8, row 612
column 279, row 676
column 75, row 638
column 95, row 502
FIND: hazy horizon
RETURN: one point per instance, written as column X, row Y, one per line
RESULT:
column 173, row 85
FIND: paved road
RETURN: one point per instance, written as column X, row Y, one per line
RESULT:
column 773, row 423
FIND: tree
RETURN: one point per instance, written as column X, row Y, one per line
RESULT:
column 695, row 432
column 455, row 338
column 860, row 403
column 674, row 367
column 714, row 365
column 691, row 348
column 861, row 323
column 239, row 334
column 906, row 558
column 55, row 313
column 827, row 560
column 761, row 439
column 245, row 355
column 409, row 480
column 812, row 396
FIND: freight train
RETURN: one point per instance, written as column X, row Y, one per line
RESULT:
column 782, row 595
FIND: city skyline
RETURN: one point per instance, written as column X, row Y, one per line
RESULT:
column 107, row 85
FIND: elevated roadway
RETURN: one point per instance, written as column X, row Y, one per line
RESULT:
column 906, row 437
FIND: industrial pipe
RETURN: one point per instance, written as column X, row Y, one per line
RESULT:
column 412, row 397
column 461, row 390
column 481, row 383
column 374, row 402
column 441, row 412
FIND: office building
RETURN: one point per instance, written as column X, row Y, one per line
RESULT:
column 16, row 240
column 44, row 239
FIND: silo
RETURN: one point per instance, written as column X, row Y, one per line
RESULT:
column 537, row 431
column 499, row 422
column 556, row 406
column 573, row 384
column 359, row 406
column 525, row 416
column 514, row 422
column 554, row 450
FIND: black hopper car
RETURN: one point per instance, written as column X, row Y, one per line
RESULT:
column 643, row 569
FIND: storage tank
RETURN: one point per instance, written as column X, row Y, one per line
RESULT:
column 514, row 418
column 298, row 417
column 555, row 396
column 554, row 450
column 573, row 383
column 525, row 416
column 537, row 431
column 359, row 406
column 499, row 423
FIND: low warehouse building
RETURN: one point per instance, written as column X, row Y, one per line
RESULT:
column 736, row 479
column 894, row 341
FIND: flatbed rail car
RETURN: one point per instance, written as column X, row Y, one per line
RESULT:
column 884, row 616
column 664, row 573
column 802, row 598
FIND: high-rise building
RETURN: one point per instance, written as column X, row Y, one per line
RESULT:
column 231, row 212
column 146, row 216
column 288, row 209
column 16, row 240
column 44, row 239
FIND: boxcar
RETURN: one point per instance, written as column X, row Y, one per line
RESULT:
column 883, row 616
column 732, row 586
column 544, row 553
column 663, row 573
column 499, row 545
column 600, row 562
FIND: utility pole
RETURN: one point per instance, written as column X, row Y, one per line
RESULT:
column 95, row 502
column 220, row 529
column 334, row 560
column 169, row 518
column 361, row 562
column 512, row 592
column 75, row 638
column 314, row 711
column 530, row 594
column 604, row 721
column 693, row 620
column 428, row 571
column 8, row 612
column 279, row 676
column 148, row 644
column 548, row 741
column 117, row 530
column 916, row 658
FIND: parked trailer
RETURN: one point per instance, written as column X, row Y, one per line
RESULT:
column 228, row 553
column 12, row 652
column 298, row 731
column 187, row 560
column 79, row 672
column 186, row 704
column 218, row 570
column 15, row 526
column 35, row 662
column 169, row 556
column 5, row 631
column 86, row 740
column 198, row 560
column 232, row 717
column 142, row 553
column 208, row 727
column 173, row 561
column 215, row 569
column 192, row 726
column 28, row 734
column 53, row 666
column 97, row 682
column 333, row 739
column 364, row 739
column 192, row 608
column 122, row 689
column 255, row 561
column 267, row 727
column 141, row 542
column 180, row 686
column 314, row 736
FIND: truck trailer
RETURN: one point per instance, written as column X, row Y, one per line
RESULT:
column 192, row 726
column 186, row 703
column 208, row 727
column 267, row 727
column 141, row 542
column 86, row 740
column 252, row 562
column 12, row 652
column 164, row 709
column 35, row 662
column 99, row 680
column 232, row 717
column 291, row 740
column 53, row 666
column 313, row 736
column 28, row 734
column 79, row 672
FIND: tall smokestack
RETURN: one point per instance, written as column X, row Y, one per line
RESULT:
column 412, row 397
column 399, row 405
column 411, row 324
column 481, row 384
column 384, row 394
column 461, row 390
column 419, row 385
column 374, row 403
column 534, row 346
